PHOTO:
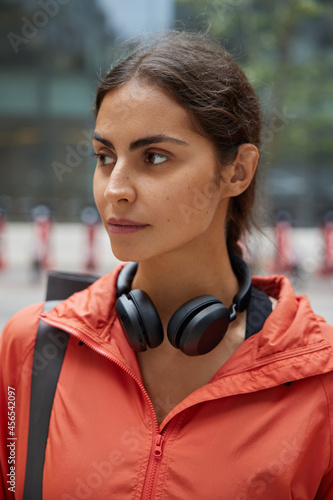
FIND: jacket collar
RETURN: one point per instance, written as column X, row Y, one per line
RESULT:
column 281, row 352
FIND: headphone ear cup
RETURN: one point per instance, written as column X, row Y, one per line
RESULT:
column 139, row 320
column 199, row 325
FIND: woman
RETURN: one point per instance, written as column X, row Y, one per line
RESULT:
column 180, row 380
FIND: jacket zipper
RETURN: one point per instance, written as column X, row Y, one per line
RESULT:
column 109, row 357
column 152, row 469
column 156, row 452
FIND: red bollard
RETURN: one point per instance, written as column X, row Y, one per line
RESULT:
column 327, row 267
column 3, row 262
column 90, row 219
column 42, row 236
column 284, row 260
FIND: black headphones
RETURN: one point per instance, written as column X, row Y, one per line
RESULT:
column 197, row 327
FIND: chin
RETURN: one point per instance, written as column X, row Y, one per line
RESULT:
column 125, row 255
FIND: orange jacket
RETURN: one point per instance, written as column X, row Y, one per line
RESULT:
column 246, row 435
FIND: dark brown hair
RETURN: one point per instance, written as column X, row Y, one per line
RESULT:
column 201, row 76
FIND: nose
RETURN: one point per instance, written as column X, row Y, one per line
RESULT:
column 120, row 185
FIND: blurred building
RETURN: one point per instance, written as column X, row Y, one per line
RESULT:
column 131, row 17
column 52, row 53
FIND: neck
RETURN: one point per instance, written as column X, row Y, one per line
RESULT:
column 171, row 280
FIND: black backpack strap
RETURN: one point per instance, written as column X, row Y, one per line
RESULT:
column 62, row 285
column 258, row 310
column 49, row 354
column 50, row 348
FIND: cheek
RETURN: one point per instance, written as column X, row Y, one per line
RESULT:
column 98, row 191
column 195, row 201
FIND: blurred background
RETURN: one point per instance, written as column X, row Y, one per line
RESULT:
column 52, row 54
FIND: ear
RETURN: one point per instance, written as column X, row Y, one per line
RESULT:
column 240, row 173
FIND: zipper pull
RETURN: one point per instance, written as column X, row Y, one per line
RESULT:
column 158, row 446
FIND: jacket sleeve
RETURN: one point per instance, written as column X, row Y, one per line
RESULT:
column 17, row 343
column 325, row 491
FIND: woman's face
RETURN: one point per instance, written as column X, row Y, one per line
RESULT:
column 155, row 183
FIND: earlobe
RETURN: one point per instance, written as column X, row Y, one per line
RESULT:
column 244, row 168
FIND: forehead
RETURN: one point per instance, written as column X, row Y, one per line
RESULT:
column 143, row 104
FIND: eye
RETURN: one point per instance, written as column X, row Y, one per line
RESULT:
column 155, row 158
column 103, row 159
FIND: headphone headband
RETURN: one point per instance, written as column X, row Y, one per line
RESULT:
column 126, row 277
column 243, row 274
column 239, row 267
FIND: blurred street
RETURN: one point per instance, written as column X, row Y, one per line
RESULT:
column 20, row 286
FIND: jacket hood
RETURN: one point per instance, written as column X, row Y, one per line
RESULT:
column 293, row 344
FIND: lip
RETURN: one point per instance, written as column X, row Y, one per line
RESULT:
column 124, row 226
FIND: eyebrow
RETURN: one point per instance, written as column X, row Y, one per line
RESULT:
column 142, row 142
